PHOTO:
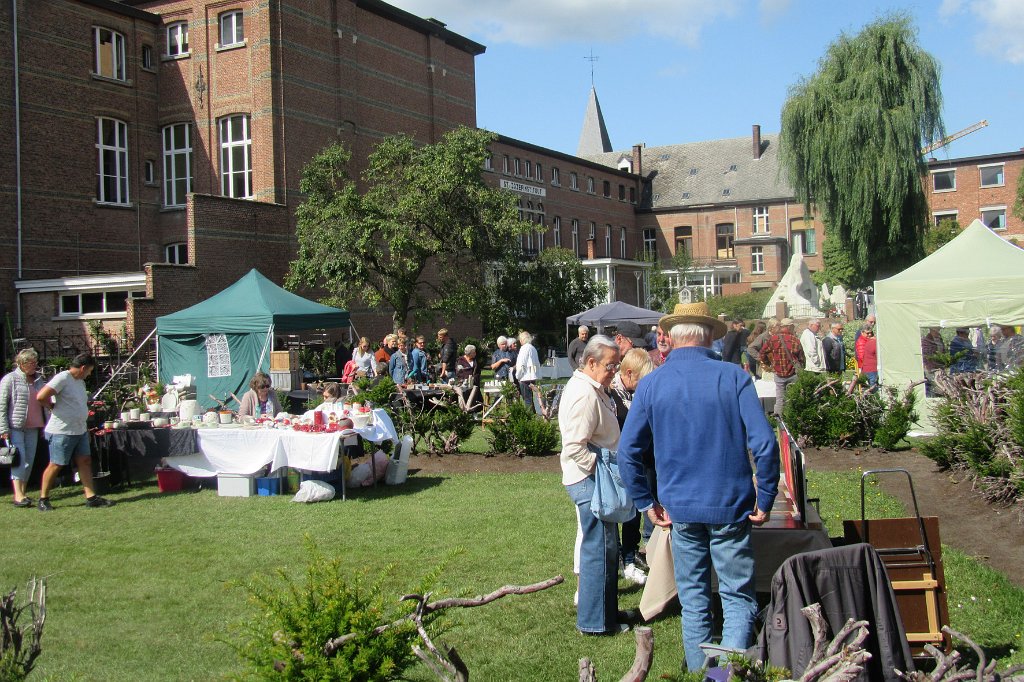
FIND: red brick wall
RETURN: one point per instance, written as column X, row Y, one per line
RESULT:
column 970, row 197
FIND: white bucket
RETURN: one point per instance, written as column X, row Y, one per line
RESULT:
column 187, row 410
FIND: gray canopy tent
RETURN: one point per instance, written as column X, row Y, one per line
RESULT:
column 608, row 314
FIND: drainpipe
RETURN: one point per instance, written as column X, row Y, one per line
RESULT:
column 17, row 148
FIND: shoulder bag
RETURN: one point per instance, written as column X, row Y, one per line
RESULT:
column 9, row 455
column 610, row 502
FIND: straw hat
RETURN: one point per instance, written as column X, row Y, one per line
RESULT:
column 693, row 313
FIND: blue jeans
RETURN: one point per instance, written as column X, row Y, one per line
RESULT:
column 598, row 606
column 872, row 378
column 25, row 440
column 695, row 548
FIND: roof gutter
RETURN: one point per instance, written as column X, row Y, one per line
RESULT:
column 17, row 149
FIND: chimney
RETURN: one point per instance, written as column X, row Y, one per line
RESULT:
column 757, row 142
column 590, row 248
column 638, row 159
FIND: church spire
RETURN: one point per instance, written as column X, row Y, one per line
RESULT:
column 594, row 136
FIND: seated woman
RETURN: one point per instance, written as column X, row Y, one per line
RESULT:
column 332, row 399
column 465, row 366
column 260, row 400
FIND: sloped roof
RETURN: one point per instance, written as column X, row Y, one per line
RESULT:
column 699, row 173
column 594, row 136
column 250, row 305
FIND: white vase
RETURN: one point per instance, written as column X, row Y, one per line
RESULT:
column 134, row 413
column 126, row 416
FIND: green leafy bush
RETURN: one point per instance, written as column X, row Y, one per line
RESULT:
column 749, row 306
column 376, row 390
column 517, row 430
column 294, row 618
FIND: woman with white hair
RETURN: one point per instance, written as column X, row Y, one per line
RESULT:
column 587, row 421
column 501, row 360
column 21, row 418
column 527, row 367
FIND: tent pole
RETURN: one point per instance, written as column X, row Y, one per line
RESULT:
column 125, row 364
column 266, row 344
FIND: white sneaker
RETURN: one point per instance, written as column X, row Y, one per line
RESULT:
column 576, row 598
column 633, row 574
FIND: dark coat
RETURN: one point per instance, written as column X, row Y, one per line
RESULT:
column 848, row 582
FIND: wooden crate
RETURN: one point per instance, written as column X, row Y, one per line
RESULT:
column 284, row 360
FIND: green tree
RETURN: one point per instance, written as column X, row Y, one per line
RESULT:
column 936, row 236
column 416, row 232
column 840, row 266
column 539, row 294
column 851, row 142
column 1018, row 206
column 664, row 279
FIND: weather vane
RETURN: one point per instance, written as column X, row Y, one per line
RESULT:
column 591, row 59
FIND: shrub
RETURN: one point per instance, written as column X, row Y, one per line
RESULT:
column 295, row 618
column 898, row 415
column 377, row 390
column 519, row 431
column 749, row 306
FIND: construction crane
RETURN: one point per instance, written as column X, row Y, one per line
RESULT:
column 955, row 136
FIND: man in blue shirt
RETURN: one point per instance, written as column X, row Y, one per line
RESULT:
column 702, row 415
column 418, row 361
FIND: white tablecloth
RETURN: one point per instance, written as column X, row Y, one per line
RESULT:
column 246, row 451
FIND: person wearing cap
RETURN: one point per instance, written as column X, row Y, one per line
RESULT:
column 965, row 358
column 702, row 417
column 784, row 354
column 651, row 337
column 576, row 346
column 628, row 335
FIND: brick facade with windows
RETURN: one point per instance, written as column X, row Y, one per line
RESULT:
column 975, row 187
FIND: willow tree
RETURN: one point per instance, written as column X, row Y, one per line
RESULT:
column 413, row 235
column 851, row 142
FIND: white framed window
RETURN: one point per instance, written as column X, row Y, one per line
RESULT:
column 539, row 174
column 235, row 157
column 944, row 180
column 488, row 162
column 232, row 32
column 590, row 185
column 149, row 172
column 112, row 303
column 593, row 230
column 109, row 48
column 574, row 181
column 576, row 236
column 942, row 216
column 757, row 260
column 540, row 236
column 554, row 176
column 504, row 164
column 112, row 148
column 992, row 175
column 529, row 168
column 556, row 227
column 622, row 242
column 608, row 241
column 529, row 241
column 177, row 163
column 994, row 217
column 518, row 165
column 760, row 224
column 147, row 57
column 176, row 253
column 177, row 39
column 650, row 242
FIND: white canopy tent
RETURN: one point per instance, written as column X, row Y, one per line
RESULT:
column 975, row 280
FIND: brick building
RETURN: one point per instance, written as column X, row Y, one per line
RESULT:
column 974, row 187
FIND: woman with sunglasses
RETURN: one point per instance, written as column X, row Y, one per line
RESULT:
column 260, row 400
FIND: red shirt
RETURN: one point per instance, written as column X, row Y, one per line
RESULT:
column 774, row 353
column 866, row 351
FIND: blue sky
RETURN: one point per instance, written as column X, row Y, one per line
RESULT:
column 674, row 71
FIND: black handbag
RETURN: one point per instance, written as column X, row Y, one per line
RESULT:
column 9, row 455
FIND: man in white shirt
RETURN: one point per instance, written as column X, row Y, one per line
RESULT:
column 813, row 351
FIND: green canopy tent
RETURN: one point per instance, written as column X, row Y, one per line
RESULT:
column 977, row 279
column 227, row 338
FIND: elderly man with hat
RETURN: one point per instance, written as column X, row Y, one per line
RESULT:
column 702, row 416
column 784, row 354
column 629, row 335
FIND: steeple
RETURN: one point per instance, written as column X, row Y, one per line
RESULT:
column 594, row 136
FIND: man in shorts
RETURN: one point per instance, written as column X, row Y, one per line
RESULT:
column 67, row 429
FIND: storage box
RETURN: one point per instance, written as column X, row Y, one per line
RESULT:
column 169, row 480
column 286, row 380
column 268, row 486
column 235, row 485
column 284, row 360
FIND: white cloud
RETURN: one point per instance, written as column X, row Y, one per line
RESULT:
column 1002, row 27
column 540, row 22
column 950, row 8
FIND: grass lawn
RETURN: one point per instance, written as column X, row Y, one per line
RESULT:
column 139, row 591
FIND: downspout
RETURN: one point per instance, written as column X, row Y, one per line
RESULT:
column 17, row 152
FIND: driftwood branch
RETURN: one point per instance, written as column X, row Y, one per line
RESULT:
column 947, row 670
column 21, row 645
column 837, row 660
